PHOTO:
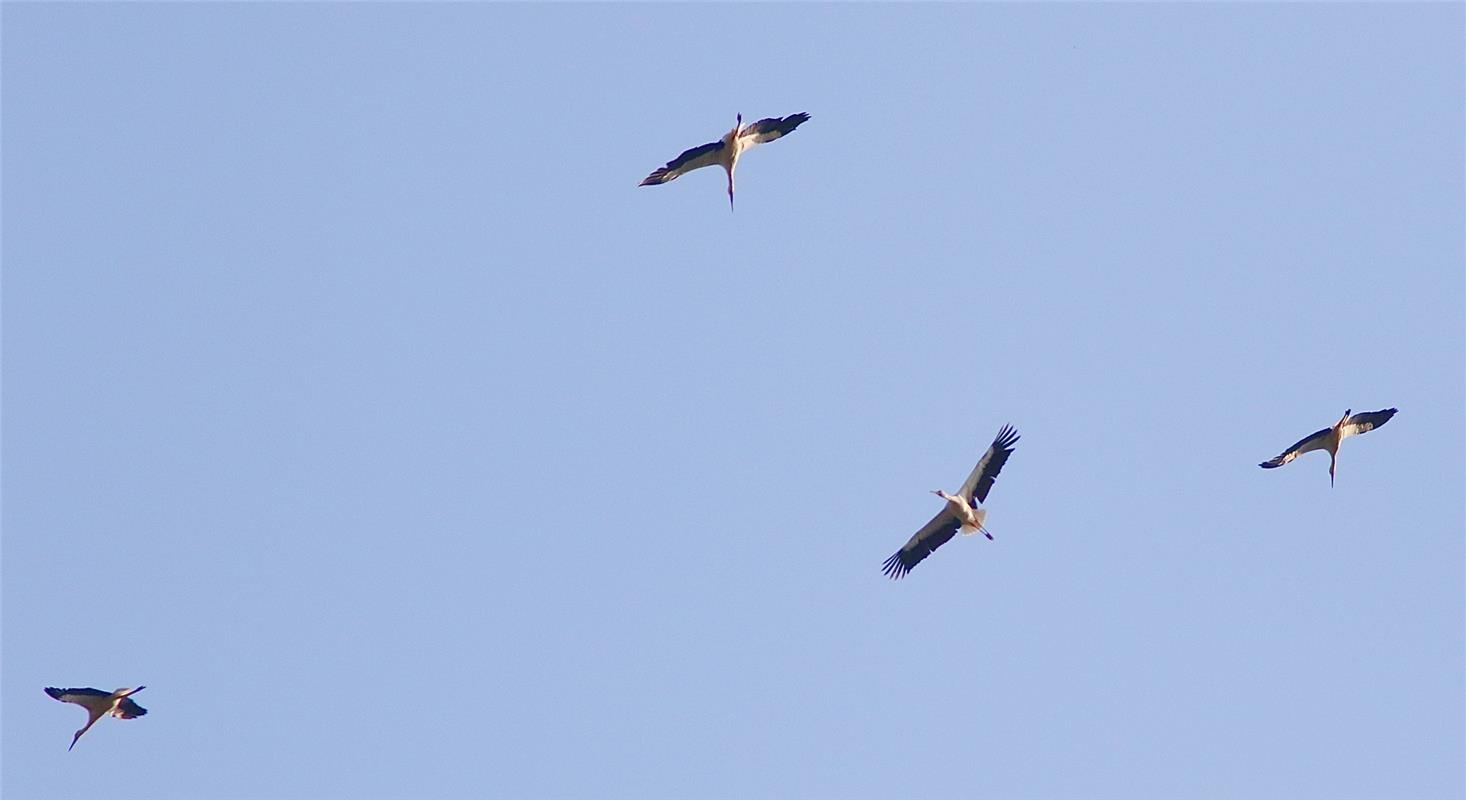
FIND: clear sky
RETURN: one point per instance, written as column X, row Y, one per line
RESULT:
column 359, row 403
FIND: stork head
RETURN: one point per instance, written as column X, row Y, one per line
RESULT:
column 940, row 493
column 1344, row 418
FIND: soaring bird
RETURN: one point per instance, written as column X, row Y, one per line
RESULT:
column 99, row 704
column 726, row 151
column 1329, row 438
column 961, row 512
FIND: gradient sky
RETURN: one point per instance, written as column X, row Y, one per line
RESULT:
column 358, row 402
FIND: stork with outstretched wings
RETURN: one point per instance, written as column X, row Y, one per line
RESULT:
column 1331, row 437
column 962, row 511
column 99, row 704
column 726, row 151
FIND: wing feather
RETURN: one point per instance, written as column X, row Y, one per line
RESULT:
column 77, row 696
column 1314, row 441
column 704, row 155
column 771, row 128
column 1366, row 421
column 923, row 543
column 980, row 482
column 128, row 709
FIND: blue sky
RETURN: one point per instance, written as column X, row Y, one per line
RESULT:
column 358, row 402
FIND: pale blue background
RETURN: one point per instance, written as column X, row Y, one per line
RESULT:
column 358, row 402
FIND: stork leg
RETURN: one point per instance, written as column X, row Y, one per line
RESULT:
column 730, row 190
column 1333, row 459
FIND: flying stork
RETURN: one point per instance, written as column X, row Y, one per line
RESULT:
column 961, row 512
column 99, row 704
column 1329, row 438
column 726, row 151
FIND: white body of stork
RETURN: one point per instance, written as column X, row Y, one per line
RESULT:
column 726, row 151
column 1331, row 437
column 99, row 704
column 962, row 511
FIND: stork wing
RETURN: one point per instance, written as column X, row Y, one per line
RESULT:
column 771, row 128
column 932, row 535
column 128, row 709
column 1315, row 441
column 1366, row 421
column 82, row 697
column 980, row 482
column 698, row 157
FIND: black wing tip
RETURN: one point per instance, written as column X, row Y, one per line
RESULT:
column 1271, row 464
column 787, row 125
column 655, row 179
column 57, row 693
column 895, row 568
column 1007, row 437
column 780, row 125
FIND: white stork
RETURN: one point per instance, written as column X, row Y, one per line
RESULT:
column 1329, row 438
column 961, row 512
column 726, row 151
column 99, row 704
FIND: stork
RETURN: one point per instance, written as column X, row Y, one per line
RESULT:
column 726, row 151
column 1331, row 437
column 962, row 511
column 99, row 704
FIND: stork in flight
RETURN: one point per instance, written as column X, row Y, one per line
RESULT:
column 1329, row 438
column 726, row 151
column 99, row 704
column 961, row 512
